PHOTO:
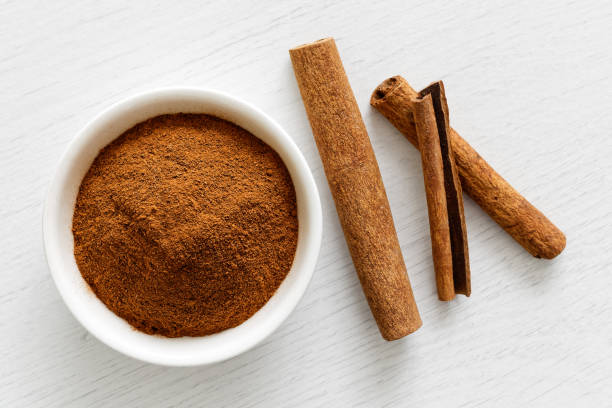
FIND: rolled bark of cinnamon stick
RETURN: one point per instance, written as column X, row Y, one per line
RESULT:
column 356, row 185
column 525, row 223
column 443, row 191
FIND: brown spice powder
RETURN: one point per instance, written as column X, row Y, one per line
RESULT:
column 185, row 225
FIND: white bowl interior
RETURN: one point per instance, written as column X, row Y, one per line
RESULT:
column 59, row 245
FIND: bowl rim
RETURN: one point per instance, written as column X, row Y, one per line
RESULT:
column 302, row 176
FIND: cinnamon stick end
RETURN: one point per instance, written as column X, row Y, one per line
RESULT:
column 314, row 43
column 385, row 88
column 445, row 297
column 402, row 329
column 555, row 244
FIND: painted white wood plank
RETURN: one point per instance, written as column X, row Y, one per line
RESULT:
column 529, row 85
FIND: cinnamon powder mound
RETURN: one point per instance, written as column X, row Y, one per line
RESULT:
column 185, row 225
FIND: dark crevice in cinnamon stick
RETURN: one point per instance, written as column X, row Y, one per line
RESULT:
column 456, row 225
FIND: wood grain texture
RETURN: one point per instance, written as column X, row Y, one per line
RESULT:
column 357, row 187
column 394, row 98
column 531, row 87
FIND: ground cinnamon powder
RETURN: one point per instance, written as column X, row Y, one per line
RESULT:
column 185, row 225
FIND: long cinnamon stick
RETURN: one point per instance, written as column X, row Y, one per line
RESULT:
column 443, row 191
column 356, row 185
column 525, row 223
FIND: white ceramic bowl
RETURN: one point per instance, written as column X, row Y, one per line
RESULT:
column 59, row 245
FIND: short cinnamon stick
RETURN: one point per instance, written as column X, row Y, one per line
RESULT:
column 356, row 185
column 525, row 223
column 443, row 191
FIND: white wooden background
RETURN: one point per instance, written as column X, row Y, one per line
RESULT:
column 529, row 85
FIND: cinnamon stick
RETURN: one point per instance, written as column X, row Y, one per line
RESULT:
column 443, row 191
column 394, row 98
column 356, row 185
